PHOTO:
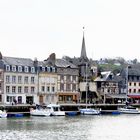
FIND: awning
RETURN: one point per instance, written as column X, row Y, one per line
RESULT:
column 118, row 96
column 134, row 96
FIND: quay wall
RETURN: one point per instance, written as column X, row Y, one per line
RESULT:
column 25, row 109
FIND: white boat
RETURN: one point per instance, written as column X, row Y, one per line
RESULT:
column 129, row 110
column 50, row 110
column 3, row 114
column 40, row 112
column 89, row 111
column 55, row 110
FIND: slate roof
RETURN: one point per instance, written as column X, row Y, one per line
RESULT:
column 64, row 63
column 30, row 62
column 18, row 61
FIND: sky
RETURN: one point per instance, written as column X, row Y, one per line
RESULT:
column 37, row 28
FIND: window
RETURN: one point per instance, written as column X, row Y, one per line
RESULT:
column 13, row 79
column 68, row 87
column 74, row 87
column 43, row 69
column 26, row 89
column 48, row 69
column 32, row 89
column 19, row 99
column 0, row 86
column 62, row 77
column 0, row 75
column 48, row 89
column 134, row 90
column 19, row 79
column 19, row 68
column 7, row 79
column 139, row 90
column 68, row 77
column 7, row 68
column 130, row 84
column 7, row 89
column 61, row 87
column 53, row 69
column 13, row 68
column 26, row 69
column 43, row 89
column 53, row 89
column 19, row 89
column 74, row 78
column 13, row 89
column 32, row 80
column 134, row 84
column 26, row 79
column 32, row 69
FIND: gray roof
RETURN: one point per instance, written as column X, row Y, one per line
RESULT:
column 18, row 61
column 64, row 63
column 134, row 71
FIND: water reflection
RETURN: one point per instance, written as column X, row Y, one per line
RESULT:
column 102, row 127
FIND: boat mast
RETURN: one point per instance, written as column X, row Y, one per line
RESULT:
column 126, row 83
column 86, row 85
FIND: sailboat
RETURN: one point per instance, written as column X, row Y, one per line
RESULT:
column 88, row 111
column 128, row 109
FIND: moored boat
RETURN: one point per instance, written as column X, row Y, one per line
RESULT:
column 50, row 110
column 55, row 110
column 40, row 112
column 3, row 114
column 129, row 110
column 89, row 111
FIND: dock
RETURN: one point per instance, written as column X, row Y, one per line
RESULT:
column 70, row 107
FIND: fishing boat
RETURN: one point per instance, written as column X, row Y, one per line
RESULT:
column 3, row 114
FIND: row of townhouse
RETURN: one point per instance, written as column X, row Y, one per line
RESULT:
column 41, row 82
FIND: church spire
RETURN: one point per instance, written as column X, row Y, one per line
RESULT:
column 83, row 50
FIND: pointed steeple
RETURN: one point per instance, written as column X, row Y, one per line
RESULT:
column 83, row 50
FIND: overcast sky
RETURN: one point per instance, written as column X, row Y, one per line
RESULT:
column 37, row 28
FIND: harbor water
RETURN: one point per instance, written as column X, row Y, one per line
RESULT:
column 102, row 127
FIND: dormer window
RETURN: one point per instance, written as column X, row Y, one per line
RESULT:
column 32, row 69
column 48, row 69
column 43, row 69
column 26, row 69
column 13, row 68
column 53, row 69
column 7, row 68
column 19, row 68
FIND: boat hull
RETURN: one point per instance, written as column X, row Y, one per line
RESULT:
column 42, row 113
column 3, row 114
column 89, row 112
column 129, row 110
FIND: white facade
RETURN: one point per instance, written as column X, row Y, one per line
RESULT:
column 48, row 88
column 20, row 86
